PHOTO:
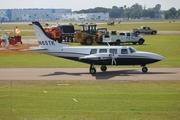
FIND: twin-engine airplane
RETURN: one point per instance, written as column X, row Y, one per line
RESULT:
column 94, row 55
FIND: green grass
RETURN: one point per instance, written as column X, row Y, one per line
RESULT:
column 163, row 26
column 97, row 100
column 165, row 45
column 27, row 30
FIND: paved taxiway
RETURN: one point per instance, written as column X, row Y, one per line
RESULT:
column 83, row 74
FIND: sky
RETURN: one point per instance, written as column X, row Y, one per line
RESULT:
column 85, row 4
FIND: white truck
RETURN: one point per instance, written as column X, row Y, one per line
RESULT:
column 145, row 30
column 124, row 37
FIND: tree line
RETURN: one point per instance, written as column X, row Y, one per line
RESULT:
column 136, row 11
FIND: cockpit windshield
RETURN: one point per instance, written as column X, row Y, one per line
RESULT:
column 132, row 50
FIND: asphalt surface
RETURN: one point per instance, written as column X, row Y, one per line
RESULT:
column 121, row 74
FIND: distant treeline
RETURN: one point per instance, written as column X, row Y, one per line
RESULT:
column 136, row 11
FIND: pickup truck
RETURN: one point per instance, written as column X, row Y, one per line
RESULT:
column 123, row 37
column 145, row 30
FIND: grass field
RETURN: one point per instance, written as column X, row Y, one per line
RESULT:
column 96, row 100
column 160, row 25
column 165, row 45
column 90, row 100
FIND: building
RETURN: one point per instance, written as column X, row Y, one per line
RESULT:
column 86, row 16
column 32, row 14
column 48, row 14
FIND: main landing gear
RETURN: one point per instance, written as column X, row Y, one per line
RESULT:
column 103, row 68
column 92, row 69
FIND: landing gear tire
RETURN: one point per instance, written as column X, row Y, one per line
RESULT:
column 92, row 70
column 103, row 68
column 144, row 69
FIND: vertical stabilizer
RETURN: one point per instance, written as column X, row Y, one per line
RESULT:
column 42, row 38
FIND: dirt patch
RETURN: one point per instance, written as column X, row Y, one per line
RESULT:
column 17, row 49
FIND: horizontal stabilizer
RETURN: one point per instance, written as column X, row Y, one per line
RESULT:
column 37, row 48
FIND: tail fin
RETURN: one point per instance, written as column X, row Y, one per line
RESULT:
column 43, row 39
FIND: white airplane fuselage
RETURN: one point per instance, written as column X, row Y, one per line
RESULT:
column 94, row 55
column 75, row 53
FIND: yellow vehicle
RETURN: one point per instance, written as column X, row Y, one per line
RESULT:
column 88, row 35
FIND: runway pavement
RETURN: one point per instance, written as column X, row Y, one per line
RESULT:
column 121, row 74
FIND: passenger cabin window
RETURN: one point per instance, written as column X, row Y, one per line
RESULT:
column 93, row 51
column 113, row 51
column 124, row 51
column 103, row 51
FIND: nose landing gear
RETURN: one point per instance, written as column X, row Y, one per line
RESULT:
column 144, row 69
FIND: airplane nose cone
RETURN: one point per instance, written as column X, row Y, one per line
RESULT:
column 159, row 57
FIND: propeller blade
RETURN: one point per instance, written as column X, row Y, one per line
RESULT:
column 114, row 61
column 113, row 56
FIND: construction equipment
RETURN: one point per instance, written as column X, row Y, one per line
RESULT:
column 88, row 35
column 60, row 32
column 67, row 32
column 53, row 32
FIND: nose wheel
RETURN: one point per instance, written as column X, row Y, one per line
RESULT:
column 144, row 69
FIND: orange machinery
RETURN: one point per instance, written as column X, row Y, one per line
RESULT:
column 53, row 32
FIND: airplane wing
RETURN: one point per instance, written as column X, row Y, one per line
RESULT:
column 99, row 56
column 90, row 57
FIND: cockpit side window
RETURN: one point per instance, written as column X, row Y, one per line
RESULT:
column 93, row 51
column 103, row 51
column 124, row 51
column 113, row 51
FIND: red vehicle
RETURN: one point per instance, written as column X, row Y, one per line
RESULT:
column 14, row 38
